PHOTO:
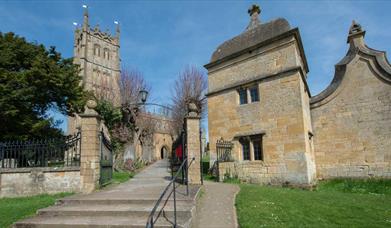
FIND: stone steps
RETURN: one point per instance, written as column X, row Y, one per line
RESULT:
column 125, row 205
column 107, row 213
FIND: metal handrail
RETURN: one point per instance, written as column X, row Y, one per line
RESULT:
column 151, row 221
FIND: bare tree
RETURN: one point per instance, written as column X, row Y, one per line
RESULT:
column 130, row 84
column 190, row 86
column 104, row 89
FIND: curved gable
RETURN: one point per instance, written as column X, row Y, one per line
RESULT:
column 377, row 60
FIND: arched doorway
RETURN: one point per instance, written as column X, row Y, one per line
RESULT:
column 163, row 152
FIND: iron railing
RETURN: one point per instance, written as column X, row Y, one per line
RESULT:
column 153, row 219
column 106, row 159
column 54, row 152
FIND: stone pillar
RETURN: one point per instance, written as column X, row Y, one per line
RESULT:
column 251, row 150
column 90, row 149
column 192, row 123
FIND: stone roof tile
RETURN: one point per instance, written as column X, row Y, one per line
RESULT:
column 250, row 37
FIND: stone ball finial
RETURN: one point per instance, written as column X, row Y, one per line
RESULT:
column 355, row 27
column 91, row 104
column 192, row 109
column 355, row 31
column 254, row 9
column 90, row 107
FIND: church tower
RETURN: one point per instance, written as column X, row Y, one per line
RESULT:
column 97, row 54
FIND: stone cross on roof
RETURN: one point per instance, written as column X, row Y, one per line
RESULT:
column 254, row 12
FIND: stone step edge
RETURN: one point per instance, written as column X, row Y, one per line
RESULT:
column 134, row 221
column 113, row 213
column 115, row 201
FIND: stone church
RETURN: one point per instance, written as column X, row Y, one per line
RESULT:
column 259, row 100
column 97, row 54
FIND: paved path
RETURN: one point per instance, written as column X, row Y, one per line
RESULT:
column 124, row 205
column 216, row 206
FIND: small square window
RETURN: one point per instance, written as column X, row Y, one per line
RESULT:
column 243, row 96
column 254, row 94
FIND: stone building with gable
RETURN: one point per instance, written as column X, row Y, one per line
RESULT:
column 258, row 99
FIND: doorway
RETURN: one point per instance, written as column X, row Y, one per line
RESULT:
column 163, row 152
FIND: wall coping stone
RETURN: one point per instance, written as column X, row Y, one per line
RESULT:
column 40, row 169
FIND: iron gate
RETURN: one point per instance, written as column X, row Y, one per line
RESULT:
column 106, row 160
column 224, row 149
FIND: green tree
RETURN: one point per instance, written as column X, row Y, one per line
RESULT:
column 34, row 80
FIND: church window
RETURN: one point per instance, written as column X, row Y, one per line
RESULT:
column 106, row 53
column 96, row 50
column 245, row 149
column 254, row 94
column 242, row 96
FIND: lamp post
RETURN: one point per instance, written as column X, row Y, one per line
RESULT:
column 143, row 95
column 142, row 98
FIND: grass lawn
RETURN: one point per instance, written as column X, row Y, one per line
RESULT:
column 337, row 203
column 120, row 177
column 14, row 209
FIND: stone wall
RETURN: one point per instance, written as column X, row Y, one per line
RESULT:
column 256, row 172
column 34, row 181
column 352, row 118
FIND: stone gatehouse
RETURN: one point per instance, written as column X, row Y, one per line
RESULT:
column 259, row 99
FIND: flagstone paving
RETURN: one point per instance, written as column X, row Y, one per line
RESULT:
column 215, row 208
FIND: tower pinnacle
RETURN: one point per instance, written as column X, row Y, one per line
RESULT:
column 85, row 18
column 117, row 30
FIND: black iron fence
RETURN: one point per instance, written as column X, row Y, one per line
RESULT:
column 224, row 149
column 54, row 152
column 106, row 159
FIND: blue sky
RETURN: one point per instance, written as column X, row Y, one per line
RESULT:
column 160, row 38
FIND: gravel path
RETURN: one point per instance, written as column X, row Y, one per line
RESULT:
column 216, row 206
